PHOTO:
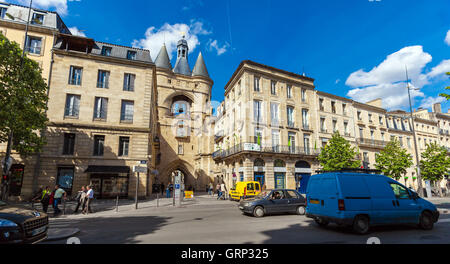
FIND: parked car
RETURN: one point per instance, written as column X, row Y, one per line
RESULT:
column 246, row 189
column 361, row 200
column 274, row 202
column 21, row 226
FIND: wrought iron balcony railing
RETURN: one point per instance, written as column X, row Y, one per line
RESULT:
column 371, row 142
column 254, row 147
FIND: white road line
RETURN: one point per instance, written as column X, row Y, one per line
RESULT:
column 444, row 221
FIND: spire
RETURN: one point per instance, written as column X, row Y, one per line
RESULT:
column 162, row 60
column 182, row 65
column 200, row 67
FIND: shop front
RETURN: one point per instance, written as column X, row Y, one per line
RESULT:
column 109, row 181
column 259, row 171
column 280, row 174
column 302, row 175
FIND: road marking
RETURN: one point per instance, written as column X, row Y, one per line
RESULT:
column 444, row 220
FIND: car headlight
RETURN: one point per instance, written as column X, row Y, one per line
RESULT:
column 7, row 223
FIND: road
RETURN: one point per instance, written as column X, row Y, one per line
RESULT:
column 215, row 222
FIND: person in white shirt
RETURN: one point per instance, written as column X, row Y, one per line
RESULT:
column 89, row 199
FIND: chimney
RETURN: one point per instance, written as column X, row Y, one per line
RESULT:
column 437, row 108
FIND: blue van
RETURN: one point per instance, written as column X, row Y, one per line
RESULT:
column 361, row 200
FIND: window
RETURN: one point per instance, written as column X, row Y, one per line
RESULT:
column 72, row 105
column 131, row 55
column 180, row 107
column 291, row 142
column 303, row 95
column 306, row 144
column 408, row 140
column 75, row 75
column 274, row 114
column 258, row 136
column 69, row 144
column 128, row 82
column 290, row 116
column 65, row 178
column 291, row 195
column 401, row 141
column 370, row 118
column 344, row 109
column 359, row 115
column 180, row 149
column 256, row 87
column 127, row 111
column 38, row 19
column 366, row 156
column 372, row 134
column 124, row 146
column 289, row 91
column 346, row 128
column 334, row 125
column 321, row 104
column 99, row 143
column 102, row 79
column 34, row 45
column 382, row 136
column 400, row 192
column 106, row 51
column 100, row 108
column 305, row 118
column 181, row 129
column 361, row 132
column 322, row 125
column 273, row 87
column 2, row 12
column 381, row 120
column 333, row 107
column 257, row 111
column 275, row 140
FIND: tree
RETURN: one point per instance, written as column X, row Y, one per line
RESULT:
column 447, row 96
column 338, row 154
column 435, row 164
column 23, row 97
column 393, row 160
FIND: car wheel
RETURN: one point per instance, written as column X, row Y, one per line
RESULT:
column 301, row 210
column 321, row 222
column 361, row 224
column 426, row 221
column 258, row 211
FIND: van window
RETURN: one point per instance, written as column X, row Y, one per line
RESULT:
column 399, row 191
column 257, row 186
column 250, row 187
column 379, row 187
column 353, row 186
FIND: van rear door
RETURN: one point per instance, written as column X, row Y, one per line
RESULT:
column 322, row 195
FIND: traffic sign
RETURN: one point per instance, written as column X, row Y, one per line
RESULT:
column 139, row 169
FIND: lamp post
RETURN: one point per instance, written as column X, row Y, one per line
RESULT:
column 11, row 134
column 419, row 178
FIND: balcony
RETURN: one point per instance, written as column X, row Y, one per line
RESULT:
column 444, row 132
column 260, row 148
column 371, row 143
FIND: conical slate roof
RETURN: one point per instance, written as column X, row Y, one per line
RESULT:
column 200, row 67
column 182, row 66
column 162, row 60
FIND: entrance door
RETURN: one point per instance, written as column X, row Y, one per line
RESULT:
column 16, row 179
column 279, row 180
column 259, row 177
column 302, row 180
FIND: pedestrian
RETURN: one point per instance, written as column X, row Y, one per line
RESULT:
column 223, row 190
column 89, row 198
column 58, row 196
column 210, row 189
column 218, row 190
column 45, row 198
column 168, row 191
column 162, row 189
column 81, row 199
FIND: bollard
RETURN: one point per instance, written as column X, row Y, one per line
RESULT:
column 117, row 203
column 157, row 199
column 64, row 206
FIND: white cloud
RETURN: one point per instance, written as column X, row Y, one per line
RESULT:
column 59, row 5
column 170, row 35
column 447, row 38
column 388, row 79
column 75, row 31
column 430, row 101
column 213, row 45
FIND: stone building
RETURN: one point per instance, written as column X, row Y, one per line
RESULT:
column 184, row 119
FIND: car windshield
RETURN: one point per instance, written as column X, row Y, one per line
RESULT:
column 2, row 203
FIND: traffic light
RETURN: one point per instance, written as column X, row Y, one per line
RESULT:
column 4, row 179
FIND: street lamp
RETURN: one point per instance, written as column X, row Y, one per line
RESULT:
column 11, row 135
column 419, row 178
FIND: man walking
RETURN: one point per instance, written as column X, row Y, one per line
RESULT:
column 81, row 199
column 57, row 199
column 45, row 198
column 89, row 199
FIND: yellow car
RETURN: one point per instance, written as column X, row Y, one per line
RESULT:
column 245, row 190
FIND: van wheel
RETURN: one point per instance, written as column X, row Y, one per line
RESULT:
column 321, row 222
column 258, row 212
column 426, row 221
column 361, row 224
column 301, row 210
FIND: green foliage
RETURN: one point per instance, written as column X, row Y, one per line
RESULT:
column 435, row 163
column 393, row 160
column 447, row 96
column 23, row 97
column 338, row 154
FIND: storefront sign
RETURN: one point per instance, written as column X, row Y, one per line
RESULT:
column 252, row 147
column 258, row 169
column 279, row 169
column 303, row 170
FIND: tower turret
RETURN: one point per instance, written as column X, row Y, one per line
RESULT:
column 182, row 65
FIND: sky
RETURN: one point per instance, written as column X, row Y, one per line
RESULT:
column 358, row 49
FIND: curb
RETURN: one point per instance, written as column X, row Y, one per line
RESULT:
column 61, row 233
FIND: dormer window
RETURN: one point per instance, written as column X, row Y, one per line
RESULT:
column 131, row 55
column 106, row 51
column 38, row 19
column 2, row 12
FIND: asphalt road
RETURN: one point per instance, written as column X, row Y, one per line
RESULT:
column 216, row 222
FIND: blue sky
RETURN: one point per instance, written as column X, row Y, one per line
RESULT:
column 352, row 48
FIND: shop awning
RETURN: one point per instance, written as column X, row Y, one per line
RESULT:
column 108, row 169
